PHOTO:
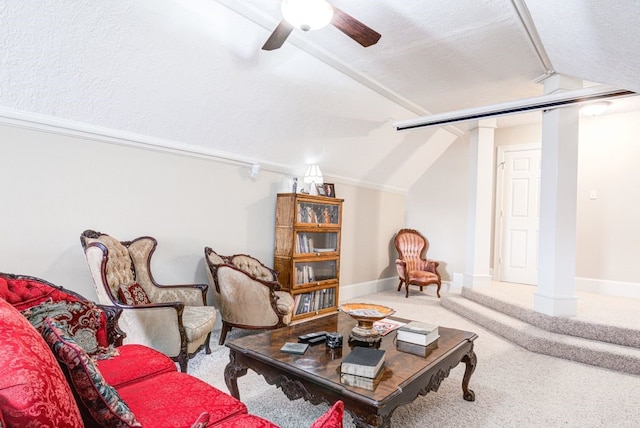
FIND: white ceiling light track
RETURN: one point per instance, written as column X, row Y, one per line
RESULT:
column 544, row 102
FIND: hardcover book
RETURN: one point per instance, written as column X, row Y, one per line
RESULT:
column 294, row 348
column 362, row 361
column 419, row 333
column 361, row 381
column 419, row 350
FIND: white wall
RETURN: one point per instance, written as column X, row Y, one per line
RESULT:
column 608, row 231
column 55, row 186
column 437, row 207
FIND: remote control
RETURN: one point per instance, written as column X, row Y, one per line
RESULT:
column 316, row 340
column 309, row 336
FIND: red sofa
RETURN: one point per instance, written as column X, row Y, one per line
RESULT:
column 62, row 364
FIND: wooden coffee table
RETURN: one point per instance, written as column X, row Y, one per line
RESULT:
column 315, row 376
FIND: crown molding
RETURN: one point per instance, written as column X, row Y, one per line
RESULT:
column 54, row 125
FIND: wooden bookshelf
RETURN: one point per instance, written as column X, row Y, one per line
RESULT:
column 307, row 251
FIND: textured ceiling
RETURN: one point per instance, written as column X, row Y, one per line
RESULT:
column 192, row 72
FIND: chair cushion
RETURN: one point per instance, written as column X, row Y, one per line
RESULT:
column 80, row 320
column 198, row 321
column 166, row 389
column 33, row 388
column 332, row 418
column 102, row 401
column 422, row 276
column 133, row 294
column 134, row 363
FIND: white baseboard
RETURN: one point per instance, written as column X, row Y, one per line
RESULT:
column 609, row 288
column 352, row 291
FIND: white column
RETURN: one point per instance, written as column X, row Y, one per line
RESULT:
column 555, row 294
column 480, row 204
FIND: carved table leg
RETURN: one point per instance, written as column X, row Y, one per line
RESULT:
column 470, row 360
column 232, row 372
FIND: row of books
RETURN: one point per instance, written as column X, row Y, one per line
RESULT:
column 304, row 274
column 314, row 301
column 304, row 244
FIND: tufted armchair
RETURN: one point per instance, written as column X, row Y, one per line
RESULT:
column 173, row 319
column 413, row 268
column 247, row 293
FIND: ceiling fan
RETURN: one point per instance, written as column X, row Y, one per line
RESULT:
column 315, row 14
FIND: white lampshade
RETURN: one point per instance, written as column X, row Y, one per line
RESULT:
column 307, row 14
column 595, row 109
column 313, row 174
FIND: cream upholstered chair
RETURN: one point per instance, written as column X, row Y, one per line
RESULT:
column 413, row 268
column 247, row 293
column 173, row 319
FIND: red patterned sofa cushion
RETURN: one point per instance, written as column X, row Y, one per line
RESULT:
column 33, row 389
column 178, row 400
column 134, row 363
column 244, row 421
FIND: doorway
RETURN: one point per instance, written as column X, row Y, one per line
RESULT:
column 517, row 214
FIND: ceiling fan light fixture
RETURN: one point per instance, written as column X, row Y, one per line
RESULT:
column 307, row 14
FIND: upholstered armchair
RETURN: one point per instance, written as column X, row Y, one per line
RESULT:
column 247, row 293
column 173, row 319
column 413, row 268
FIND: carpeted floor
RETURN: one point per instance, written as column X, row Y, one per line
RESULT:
column 513, row 387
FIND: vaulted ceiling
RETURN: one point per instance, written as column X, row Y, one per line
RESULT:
column 190, row 74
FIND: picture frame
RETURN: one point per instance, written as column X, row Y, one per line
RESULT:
column 329, row 190
column 320, row 190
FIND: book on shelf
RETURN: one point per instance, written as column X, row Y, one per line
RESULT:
column 386, row 326
column 294, row 348
column 419, row 333
column 419, row 350
column 361, row 381
column 363, row 361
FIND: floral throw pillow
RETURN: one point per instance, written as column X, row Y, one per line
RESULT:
column 133, row 294
column 102, row 400
column 80, row 320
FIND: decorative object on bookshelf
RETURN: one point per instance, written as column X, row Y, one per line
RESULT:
column 386, row 326
column 419, row 350
column 330, row 190
column 419, row 333
column 366, row 314
column 294, row 348
column 361, row 361
column 320, row 190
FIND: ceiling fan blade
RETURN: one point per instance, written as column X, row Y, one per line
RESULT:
column 278, row 36
column 354, row 28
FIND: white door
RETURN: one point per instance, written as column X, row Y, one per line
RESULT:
column 519, row 215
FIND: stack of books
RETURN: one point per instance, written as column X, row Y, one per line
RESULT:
column 417, row 338
column 362, row 368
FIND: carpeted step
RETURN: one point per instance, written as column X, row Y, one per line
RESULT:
column 562, row 325
column 611, row 356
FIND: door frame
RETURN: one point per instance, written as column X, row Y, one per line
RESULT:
column 498, row 221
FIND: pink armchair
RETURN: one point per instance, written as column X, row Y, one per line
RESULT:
column 413, row 268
